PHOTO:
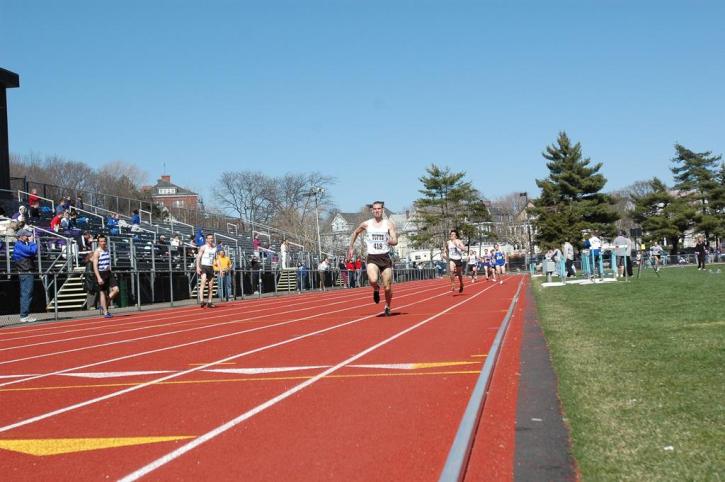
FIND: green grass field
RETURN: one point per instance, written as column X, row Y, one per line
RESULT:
column 641, row 369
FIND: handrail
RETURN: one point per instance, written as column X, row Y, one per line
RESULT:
column 97, row 208
column 236, row 241
column 68, row 243
column 295, row 244
column 254, row 231
column 236, row 229
column 143, row 211
column 103, row 220
column 52, row 203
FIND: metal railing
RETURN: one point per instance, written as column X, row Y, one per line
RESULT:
column 52, row 203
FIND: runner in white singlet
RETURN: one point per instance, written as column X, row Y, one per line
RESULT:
column 379, row 236
column 205, row 270
column 454, row 253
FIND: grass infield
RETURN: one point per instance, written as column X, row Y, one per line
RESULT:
column 641, row 369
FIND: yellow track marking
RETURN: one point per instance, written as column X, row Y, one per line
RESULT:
column 480, row 356
column 417, row 366
column 55, row 446
column 255, row 379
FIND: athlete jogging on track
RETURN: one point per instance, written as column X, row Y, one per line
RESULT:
column 454, row 253
column 380, row 235
column 499, row 259
column 473, row 267
column 205, row 269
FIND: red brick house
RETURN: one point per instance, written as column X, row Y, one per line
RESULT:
column 167, row 194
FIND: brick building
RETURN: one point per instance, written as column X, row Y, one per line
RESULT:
column 172, row 196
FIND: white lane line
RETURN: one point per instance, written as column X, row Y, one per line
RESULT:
column 169, row 321
column 195, row 342
column 187, row 330
column 256, row 371
column 115, row 374
column 52, row 328
column 76, row 406
column 273, row 401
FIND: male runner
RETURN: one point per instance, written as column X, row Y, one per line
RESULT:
column 107, row 285
column 454, row 253
column 380, row 235
column 499, row 259
column 205, row 269
column 489, row 265
column 473, row 267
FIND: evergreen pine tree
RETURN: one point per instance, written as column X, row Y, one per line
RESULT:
column 448, row 202
column 663, row 215
column 695, row 175
column 570, row 200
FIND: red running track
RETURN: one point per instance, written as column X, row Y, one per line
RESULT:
column 307, row 387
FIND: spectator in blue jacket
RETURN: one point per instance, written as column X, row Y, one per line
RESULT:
column 112, row 225
column 135, row 217
column 24, row 257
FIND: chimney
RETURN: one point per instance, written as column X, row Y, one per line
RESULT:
column 407, row 213
column 166, row 178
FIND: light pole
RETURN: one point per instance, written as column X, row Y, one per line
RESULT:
column 316, row 191
column 525, row 195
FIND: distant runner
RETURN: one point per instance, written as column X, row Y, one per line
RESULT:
column 454, row 253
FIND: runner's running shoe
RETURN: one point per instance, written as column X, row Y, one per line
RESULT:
column 376, row 296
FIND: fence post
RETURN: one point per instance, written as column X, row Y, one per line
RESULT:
column 55, row 295
column 171, row 280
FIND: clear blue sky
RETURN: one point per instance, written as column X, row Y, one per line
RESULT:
column 370, row 92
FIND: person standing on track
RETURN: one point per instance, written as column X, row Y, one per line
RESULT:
column 380, row 235
column 454, row 253
column 107, row 285
column 205, row 269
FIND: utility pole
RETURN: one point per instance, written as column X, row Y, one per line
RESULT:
column 316, row 192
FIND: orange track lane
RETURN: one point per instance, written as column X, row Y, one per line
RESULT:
column 393, row 417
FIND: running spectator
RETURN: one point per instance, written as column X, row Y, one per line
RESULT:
column 24, row 255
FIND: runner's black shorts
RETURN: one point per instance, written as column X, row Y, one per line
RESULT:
column 208, row 271
column 109, row 281
column 457, row 262
column 382, row 261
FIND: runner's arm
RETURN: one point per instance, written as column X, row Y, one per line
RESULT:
column 355, row 234
column 94, row 259
column 198, row 259
column 393, row 234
